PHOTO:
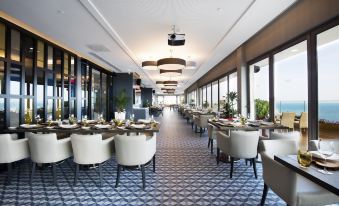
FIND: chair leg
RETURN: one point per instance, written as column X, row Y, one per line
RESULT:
column 195, row 129
column 9, row 174
column 254, row 168
column 154, row 163
column 218, row 155
column 209, row 143
column 118, row 176
column 33, row 171
column 200, row 131
column 76, row 174
column 100, row 174
column 143, row 177
column 211, row 146
column 231, row 172
column 246, row 160
column 264, row 194
column 54, row 173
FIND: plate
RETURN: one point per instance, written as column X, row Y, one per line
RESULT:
column 11, row 127
column 267, row 123
column 86, row 127
column 68, row 126
column 28, row 126
column 145, row 121
column 138, row 126
column 121, row 127
column 49, row 127
column 102, row 126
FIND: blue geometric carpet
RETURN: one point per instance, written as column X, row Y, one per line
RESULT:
column 186, row 174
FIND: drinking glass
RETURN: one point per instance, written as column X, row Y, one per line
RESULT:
column 326, row 150
column 304, row 158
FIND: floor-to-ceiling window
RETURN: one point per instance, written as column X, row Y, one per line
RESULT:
column 223, row 91
column 328, row 83
column 204, row 97
column 208, row 95
column 215, row 95
column 259, row 89
column 290, row 80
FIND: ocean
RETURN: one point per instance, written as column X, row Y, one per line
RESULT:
column 327, row 110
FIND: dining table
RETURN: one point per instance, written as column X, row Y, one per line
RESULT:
column 328, row 181
column 224, row 125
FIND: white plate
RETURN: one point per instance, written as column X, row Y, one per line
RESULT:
column 91, row 121
column 11, row 127
column 138, row 126
column 86, row 127
column 145, row 121
column 50, row 127
column 28, row 126
column 267, row 123
column 121, row 128
column 102, row 126
column 68, row 126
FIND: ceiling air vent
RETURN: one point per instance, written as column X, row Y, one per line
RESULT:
column 97, row 48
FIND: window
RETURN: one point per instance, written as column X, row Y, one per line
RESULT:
column 328, row 83
column 170, row 100
column 259, row 89
column 2, row 40
column 2, row 113
column 2, row 78
column 14, row 108
column 233, row 82
column 50, row 84
column 40, row 94
column 28, row 49
column 15, row 79
column 215, row 96
column 209, row 97
column 50, row 58
column 290, row 80
column 96, row 108
column 204, row 96
column 40, row 54
column 104, row 94
column 223, row 91
column 15, row 45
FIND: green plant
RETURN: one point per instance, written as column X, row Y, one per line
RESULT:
column 146, row 103
column 261, row 108
column 121, row 101
column 229, row 110
column 205, row 104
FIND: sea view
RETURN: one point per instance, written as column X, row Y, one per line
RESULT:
column 328, row 110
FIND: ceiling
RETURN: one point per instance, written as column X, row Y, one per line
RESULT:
column 120, row 34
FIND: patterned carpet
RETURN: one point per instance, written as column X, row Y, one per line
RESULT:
column 186, row 174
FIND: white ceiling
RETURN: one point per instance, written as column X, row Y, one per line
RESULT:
column 132, row 31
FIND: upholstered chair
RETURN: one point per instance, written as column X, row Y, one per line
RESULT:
column 212, row 135
column 287, row 120
column 241, row 145
column 293, row 188
column 91, row 149
column 46, row 148
column 202, row 122
column 12, row 149
column 134, row 151
column 303, row 121
column 294, row 135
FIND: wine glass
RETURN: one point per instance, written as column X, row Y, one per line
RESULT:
column 326, row 150
column 37, row 119
column 49, row 120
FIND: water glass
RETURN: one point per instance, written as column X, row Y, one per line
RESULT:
column 304, row 158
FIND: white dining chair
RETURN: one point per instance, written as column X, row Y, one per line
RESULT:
column 314, row 144
column 241, row 145
column 91, row 149
column 12, row 149
column 46, row 148
column 293, row 188
column 212, row 135
column 134, row 151
column 202, row 122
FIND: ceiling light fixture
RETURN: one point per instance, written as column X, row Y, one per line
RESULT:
column 150, row 65
column 170, row 73
column 171, row 63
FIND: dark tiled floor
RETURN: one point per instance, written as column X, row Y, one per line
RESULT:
column 187, row 174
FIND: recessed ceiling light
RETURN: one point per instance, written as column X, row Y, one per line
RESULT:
column 294, row 50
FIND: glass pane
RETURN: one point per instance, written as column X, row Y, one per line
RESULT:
column 58, row 111
column 2, row 78
column 215, row 96
column 15, row 80
column 104, row 95
column 15, row 45
column 208, row 98
column 66, row 86
column 14, row 110
column 40, row 94
column 50, row 58
column 223, row 89
column 290, row 80
column 2, row 40
column 72, row 107
column 2, row 113
column 259, row 89
column 328, row 83
column 28, row 118
column 57, row 69
column 50, row 103
column 233, row 87
column 204, row 97
column 84, row 81
column 66, row 64
column 28, row 49
column 95, row 94
column 50, row 84
column 40, row 54
column 72, row 66
column 84, row 107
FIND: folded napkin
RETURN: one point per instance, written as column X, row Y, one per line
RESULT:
column 317, row 154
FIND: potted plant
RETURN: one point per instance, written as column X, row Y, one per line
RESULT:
column 205, row 105
column 261, row 108
column 229, row 110
column 121, row 102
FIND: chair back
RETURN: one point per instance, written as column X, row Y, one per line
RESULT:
column 203, row 120
column 88, row 149
column 134, row 150
column 43, row 147
column 314, row 144
column 12, row 150
column 303, row 122
column 295, row 135
column 287, row 119
column 244, row 144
